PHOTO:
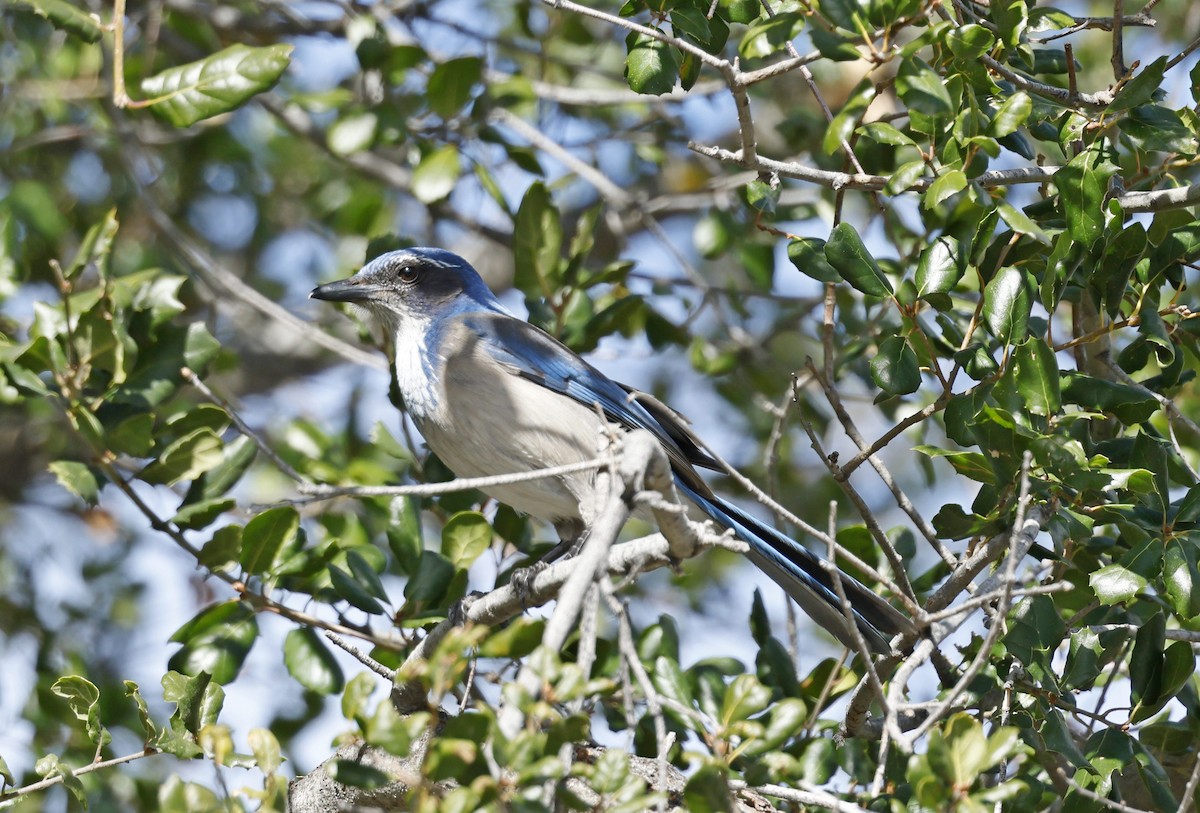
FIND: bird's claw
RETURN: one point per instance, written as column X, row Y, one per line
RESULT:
column 522, row 581
column 457, row 615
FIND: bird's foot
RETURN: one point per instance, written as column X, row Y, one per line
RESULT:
column 522, row 581
column 458, row 610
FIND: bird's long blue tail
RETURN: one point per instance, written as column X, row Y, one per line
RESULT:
column 802, row 575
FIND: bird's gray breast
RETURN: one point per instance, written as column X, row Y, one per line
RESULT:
column 490, row 420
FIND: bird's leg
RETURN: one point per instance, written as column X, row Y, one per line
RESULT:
column 570, row 541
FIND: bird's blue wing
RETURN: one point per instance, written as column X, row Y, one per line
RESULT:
column 539, row 357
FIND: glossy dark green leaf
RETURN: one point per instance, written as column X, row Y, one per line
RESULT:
column 1007, row 301
column 1011, row 18
column 905, row 176
column 1082, row 185
column 1116, row 583
column 1035, row 371
column 216, row 642
column 1141, row 88
column 940, row 266
column 1146, row 660
column 349, row 588
column 949, row 182
column 922, row 90
column 808, row 255
column 264, row 536
column 311, row 663
column 894, row 369
column 430, row 580
column 848, row 256
column 1181, row 576
column 216, row 84
column 364, row 572
column 1011, row 114
column 452, row 83
column 1131, row 405
column 650, row 66
column 848, row 117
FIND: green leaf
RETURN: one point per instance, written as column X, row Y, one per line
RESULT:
column 808, row 255
column 537, row 242
column 187, row 458
column 650, row 65
column 1182, row 578
column 217, row 84
column 404, row 532
column 1146, row 660
column 1011, row 114
column 905, row 176
column 922, row 90
column 770, row 34
column 1007, row 302
column 1022, row 223
column 264, row 536
column 707, row 791
column 348, row 588
column 435, row 177
column 465, row 536
column 744, row 698
column 1140, row 89
column 1131, row 405
column 974, row 465
column 201, row 514
column 84, row 699
column 430, row 581
column 351, row 134
column 849, row 257
column 883, row 133
column 216, row 641
column 1115, row 583
column 148, row 728
column 356, row 774
column 1035, row 371
column 1082, row 185
column 311, row 663
column 452, row 83
column 67, row 16
column 77, row 478
column 266, row 750
column 894, row 369
column 940, row 267
column 950, row 182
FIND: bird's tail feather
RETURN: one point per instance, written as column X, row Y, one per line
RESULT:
column 800, row 573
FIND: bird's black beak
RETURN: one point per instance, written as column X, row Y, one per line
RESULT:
column 345, row 290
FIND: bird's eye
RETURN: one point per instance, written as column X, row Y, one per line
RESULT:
column 407, row 273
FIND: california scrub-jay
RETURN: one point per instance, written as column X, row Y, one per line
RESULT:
column 492, row 394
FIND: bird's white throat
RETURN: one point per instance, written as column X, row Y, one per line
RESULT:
column 413, row 367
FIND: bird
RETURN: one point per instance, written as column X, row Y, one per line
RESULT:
column 493, row 394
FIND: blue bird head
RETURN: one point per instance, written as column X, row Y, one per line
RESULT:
column 412, row 285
